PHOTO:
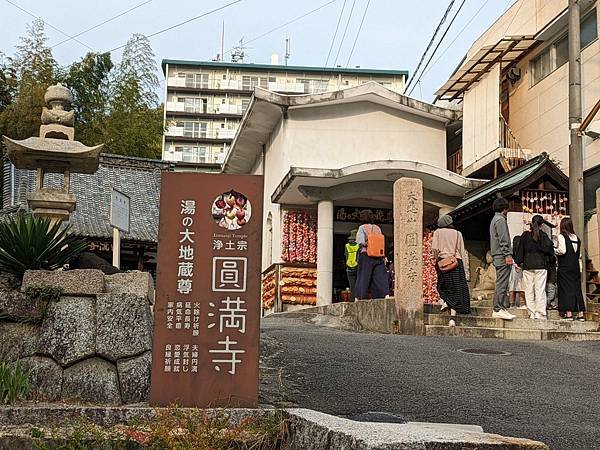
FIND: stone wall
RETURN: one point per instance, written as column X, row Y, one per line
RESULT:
column 92, row 345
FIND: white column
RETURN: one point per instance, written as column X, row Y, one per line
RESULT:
column 324, row 252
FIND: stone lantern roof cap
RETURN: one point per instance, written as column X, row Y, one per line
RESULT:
column 58, row 93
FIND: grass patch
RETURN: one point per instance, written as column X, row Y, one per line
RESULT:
column 14, row 383
column 173, row 428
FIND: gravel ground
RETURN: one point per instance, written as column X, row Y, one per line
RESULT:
column 544, row 390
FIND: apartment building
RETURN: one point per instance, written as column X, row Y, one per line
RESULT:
column 513, row 88
column 205, row 101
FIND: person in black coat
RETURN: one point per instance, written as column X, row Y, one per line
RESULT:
column 532, row 257
column 568, row 251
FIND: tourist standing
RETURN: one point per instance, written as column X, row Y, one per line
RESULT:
column 372, row 273
column 551, row 294
column 568, row 250
column 351, row 257
column 448, row 243
column 515, row 283
column 501, row 251
column 532, row 256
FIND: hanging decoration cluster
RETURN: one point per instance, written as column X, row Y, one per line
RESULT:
column 430, row 293
column 299, row 236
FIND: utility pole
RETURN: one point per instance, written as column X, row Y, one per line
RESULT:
column 575, row 117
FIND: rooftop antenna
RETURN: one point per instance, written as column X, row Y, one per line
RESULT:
column 221, row 56
column 287, row 50
column 237, row 54
column 223, row 41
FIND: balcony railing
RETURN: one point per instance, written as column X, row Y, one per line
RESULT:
column 205, row 84
column 510, row 149
column 455, row 162
column 217, row 108
column 291, row 88
column 219, row 133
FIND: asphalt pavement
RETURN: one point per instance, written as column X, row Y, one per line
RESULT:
column 545, row 390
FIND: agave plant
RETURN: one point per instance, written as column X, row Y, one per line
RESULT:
column 28, row 242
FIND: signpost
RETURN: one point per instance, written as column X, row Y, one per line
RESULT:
column 207, row 311
column 119, row 220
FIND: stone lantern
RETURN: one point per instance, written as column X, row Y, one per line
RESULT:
column 54, row 151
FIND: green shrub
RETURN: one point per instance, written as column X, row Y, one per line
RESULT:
column 14, row 383
column 28, row 242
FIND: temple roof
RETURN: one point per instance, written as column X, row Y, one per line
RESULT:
column 138, row 178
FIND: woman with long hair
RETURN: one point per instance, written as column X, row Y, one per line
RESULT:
column 568, row 251
column 452, row 284
column 532, row 256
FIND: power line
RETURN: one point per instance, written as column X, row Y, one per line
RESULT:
column 432, row 40
column 438, row 44
column 358, row 32
column 513, row 18
column 335, row 34
column 286, row 24
column 181, row 23
column 344, row 35
column 102, row 23
column 455, row 38
column 50, row 25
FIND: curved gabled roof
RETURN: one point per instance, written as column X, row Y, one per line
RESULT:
column 267, row 108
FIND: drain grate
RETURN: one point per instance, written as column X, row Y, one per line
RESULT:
column 484, row 351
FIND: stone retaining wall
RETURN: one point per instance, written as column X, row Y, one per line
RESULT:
column 92, row 345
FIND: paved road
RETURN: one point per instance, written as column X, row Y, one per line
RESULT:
column 545, row 390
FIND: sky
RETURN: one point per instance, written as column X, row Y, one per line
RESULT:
column 393, row 36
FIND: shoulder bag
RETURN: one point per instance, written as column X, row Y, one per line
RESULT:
column 449, row 263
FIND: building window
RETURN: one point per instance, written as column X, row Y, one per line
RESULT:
column 192, row 154
column 589, row 29
column 557, row 54
column 245, row 104
column 195, row 80
column 314, row 86
column 195, row 129
column 250, row 82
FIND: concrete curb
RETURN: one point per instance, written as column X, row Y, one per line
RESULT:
column 308, row 429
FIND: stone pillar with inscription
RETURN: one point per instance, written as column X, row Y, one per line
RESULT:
column 324, row 252
column 408, row 255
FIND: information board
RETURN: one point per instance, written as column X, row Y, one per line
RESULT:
column 119, row 210
column 207, row 312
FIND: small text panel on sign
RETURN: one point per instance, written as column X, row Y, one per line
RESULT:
column 119, row 210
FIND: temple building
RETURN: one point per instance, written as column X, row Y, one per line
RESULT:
column 330, row 158
column 138, row 178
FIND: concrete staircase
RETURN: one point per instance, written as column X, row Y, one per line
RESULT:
column 480, row 323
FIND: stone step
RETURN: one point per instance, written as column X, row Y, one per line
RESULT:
column 486, row 311
column 518, row 323
column 511, row 334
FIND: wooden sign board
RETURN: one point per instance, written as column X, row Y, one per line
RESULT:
column 207, row 312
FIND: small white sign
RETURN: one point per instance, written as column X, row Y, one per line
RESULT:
column 119, row 211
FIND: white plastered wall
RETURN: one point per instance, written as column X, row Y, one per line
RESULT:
column 481, row 113
column 336, row 136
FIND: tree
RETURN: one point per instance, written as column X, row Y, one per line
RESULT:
column 8, row 83
column 135, row 124
column 89, row 81
column 35, row 69
column 138, row 63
